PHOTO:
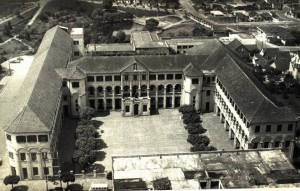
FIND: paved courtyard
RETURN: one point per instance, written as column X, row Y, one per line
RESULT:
column 154, row 134
column 216, row 132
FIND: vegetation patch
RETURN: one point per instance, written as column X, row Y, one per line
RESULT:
column 192, row 122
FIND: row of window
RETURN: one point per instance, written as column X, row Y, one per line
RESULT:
column 134, row 77
column 232, row 102
column 29, row 138
column 267, row 144
column 269, row 128
column 33, row 156
column 169, row 89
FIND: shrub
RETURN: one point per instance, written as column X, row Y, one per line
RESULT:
column 187, row 109
column 23, row 47
column 202, row 147
column 162, row 184
column 198, row 139
column 191, row 118
column 88, row 113
column 109, row 175
column 195, row 128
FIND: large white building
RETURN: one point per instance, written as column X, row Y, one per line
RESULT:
column 211, row 78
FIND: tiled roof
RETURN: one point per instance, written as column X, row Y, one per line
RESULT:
column 41, row 87
column 115, row 47
column 248, row 93
column 234, row 44
column 210, row 45
column 143, row 39
column 110, row 64
column 192, row 71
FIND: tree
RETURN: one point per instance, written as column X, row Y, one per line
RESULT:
column 87, row 113
column 151, row 24
column 6, row 31
column 121, row 36
column 86, row 130
column 195, row 128
column 11, row 179
column 9, row 25
column 107, row 4
column 198, row 139
column 187, row 109
column 191, row 118
column 84, row 157
column 86, row 143
column 17, row 12
column 67, row 177
column 162, row 184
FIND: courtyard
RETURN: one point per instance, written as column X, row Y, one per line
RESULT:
column 141, row 135
column 125, row 136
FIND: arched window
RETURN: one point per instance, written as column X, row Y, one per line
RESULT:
column 143, row 90
column 135, row 92
column 160, row 88
column 177, row 88
column 117, row 90
column 169, row 88
column 100, row 89
column 108, row 89
column 91, row 91
column 152, row 89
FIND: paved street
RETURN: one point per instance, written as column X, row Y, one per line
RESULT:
column 155, row 134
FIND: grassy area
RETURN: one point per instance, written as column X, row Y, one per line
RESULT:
column 171, row 19
column 184, row 29
column 13, row 48
column 143, row 13
column 7, row 2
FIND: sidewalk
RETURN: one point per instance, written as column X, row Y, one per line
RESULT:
column 40, row 185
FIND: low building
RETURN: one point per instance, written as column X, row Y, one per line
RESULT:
column 206, row 170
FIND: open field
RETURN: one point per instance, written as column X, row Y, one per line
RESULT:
column 13, row 48
column 7, row 2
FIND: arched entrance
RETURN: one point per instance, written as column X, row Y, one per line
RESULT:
column 136, row 109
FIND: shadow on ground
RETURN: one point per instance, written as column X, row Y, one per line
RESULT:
column 102, row 113
column 20, row 188
column 74, row 187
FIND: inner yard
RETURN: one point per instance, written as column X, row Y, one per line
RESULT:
column 125, row 136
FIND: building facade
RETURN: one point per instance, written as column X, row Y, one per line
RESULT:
column 210, row 77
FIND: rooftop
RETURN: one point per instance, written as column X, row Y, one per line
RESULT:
column 144, row 39
column 40, row 96
column 76, row 31
column 115, row 47
column 236, row 169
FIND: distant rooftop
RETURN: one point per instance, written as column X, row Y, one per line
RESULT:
column 77, row 31
column 234, row 169
column 115, row 47
column 145, row 39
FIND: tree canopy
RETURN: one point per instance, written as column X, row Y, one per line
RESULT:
column 67, row 177
column 107, row 4
column 11, row 179
column 87, row 113
column 151, row 24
